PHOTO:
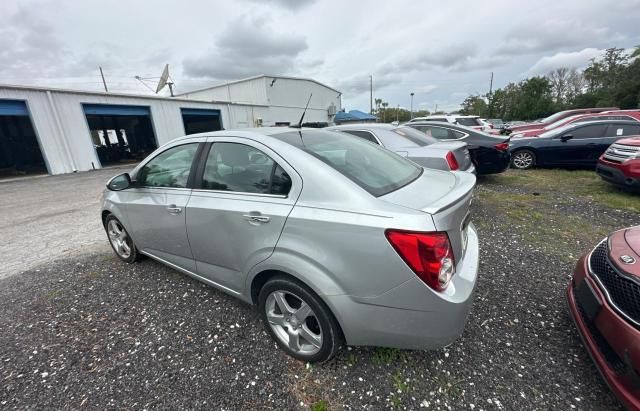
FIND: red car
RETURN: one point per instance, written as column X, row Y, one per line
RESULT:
column 620, row 164
column 555, row 117
column 579, row 118
column 604, row 301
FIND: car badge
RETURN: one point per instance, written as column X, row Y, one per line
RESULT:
column 627, row 259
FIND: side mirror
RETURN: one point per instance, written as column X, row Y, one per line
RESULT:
column 566, row 137
column 119, row 182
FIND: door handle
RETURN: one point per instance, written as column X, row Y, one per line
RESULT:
column 257, row 218
column 172, row 209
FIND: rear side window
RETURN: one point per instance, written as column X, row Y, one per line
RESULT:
column 370, row 166
column 616, row 130
column 362, row 134
column 441, row 133
column 168, row 169
column 244, row 169
column 468, row 121
column 416, row 137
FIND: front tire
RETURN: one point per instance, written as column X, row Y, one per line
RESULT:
column 299, row 322
column 120, row 240
column 523, row 159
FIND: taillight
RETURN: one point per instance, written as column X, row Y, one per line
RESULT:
column 502, row 146
column 429, row 255
column 451, row 161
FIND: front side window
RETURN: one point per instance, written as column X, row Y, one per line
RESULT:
column 375, row 169
column 414, row 136
column 168, row 169
column 244, row 169
column 594, row 131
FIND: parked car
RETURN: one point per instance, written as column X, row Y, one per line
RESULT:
column 620, row 164
column 497, row 123
column 489, row 154
column 555, row 117
column 416, row 146
column 574, row 145
column 473, row 122
column 336, row 240
column 604, row 302
column 631, row 115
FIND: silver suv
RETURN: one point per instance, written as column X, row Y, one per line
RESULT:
column 335, row 239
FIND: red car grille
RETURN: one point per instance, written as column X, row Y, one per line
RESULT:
column 622, row 291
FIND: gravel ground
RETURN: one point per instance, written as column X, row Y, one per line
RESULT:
column 93, row 332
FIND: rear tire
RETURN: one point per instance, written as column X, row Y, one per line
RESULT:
column 120, row 240
column 523, row 159
column 297, row 319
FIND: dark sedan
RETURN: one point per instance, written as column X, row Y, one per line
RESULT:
column 573, row 145
column 490, row 154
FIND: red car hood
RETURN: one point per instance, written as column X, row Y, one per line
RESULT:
column 532, row 126
column 626, row 243
column 631, row 141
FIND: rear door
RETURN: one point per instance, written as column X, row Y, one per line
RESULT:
column 244, row 194
column 157, row 201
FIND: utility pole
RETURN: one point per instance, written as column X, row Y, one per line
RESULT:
column 371, row 93
column 412, row 105
column 490, row 96
column 436, row 110
column 104, row 83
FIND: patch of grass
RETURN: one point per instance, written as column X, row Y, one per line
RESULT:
column 400, row 383
column 542, row 222
column 448, row 385
column 50, row 295
column 583, row 183
column 321, row 405
column 385, row 356
column 352, row 359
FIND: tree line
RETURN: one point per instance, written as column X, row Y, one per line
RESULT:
column 610, row 81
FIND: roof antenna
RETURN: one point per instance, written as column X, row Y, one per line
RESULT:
column 299, row 125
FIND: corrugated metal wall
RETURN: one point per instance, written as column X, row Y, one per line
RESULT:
column 63, row 133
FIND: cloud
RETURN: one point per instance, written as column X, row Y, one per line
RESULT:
column 287, row 4
column 247, row 47
column 548, row 35
column 576, row 59
column 426, row 89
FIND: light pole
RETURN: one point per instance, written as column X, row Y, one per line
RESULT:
column 412, row 106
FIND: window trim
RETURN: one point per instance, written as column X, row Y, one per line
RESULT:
column 191, row 169
column 202, row 162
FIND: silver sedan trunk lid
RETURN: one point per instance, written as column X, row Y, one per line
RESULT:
column 446, row 197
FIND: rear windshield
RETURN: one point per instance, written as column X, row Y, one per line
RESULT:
column 468, row 121
column 416, row 137
column 372, row 167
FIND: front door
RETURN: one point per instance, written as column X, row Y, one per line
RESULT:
column 576, row 150
column 156, row 206
column 235, row 218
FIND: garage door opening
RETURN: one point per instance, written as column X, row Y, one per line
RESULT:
column 198, row 120
column 120, row 134
column 19, row 149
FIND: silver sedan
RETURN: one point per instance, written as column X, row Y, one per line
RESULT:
column 336, row 240
column 416, row 146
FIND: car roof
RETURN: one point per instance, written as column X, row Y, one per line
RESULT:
column 364, row 126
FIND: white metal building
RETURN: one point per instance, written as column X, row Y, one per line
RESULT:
column 62, row 131
column 285, row 98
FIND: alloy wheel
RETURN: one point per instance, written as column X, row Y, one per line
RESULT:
column 119, row 238
column 294, row 322
column 523, row 160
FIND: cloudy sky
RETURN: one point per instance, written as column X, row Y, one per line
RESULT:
column 441, row 51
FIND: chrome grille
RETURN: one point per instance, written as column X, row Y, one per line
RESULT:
column 623, row 292
column 619, row 152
